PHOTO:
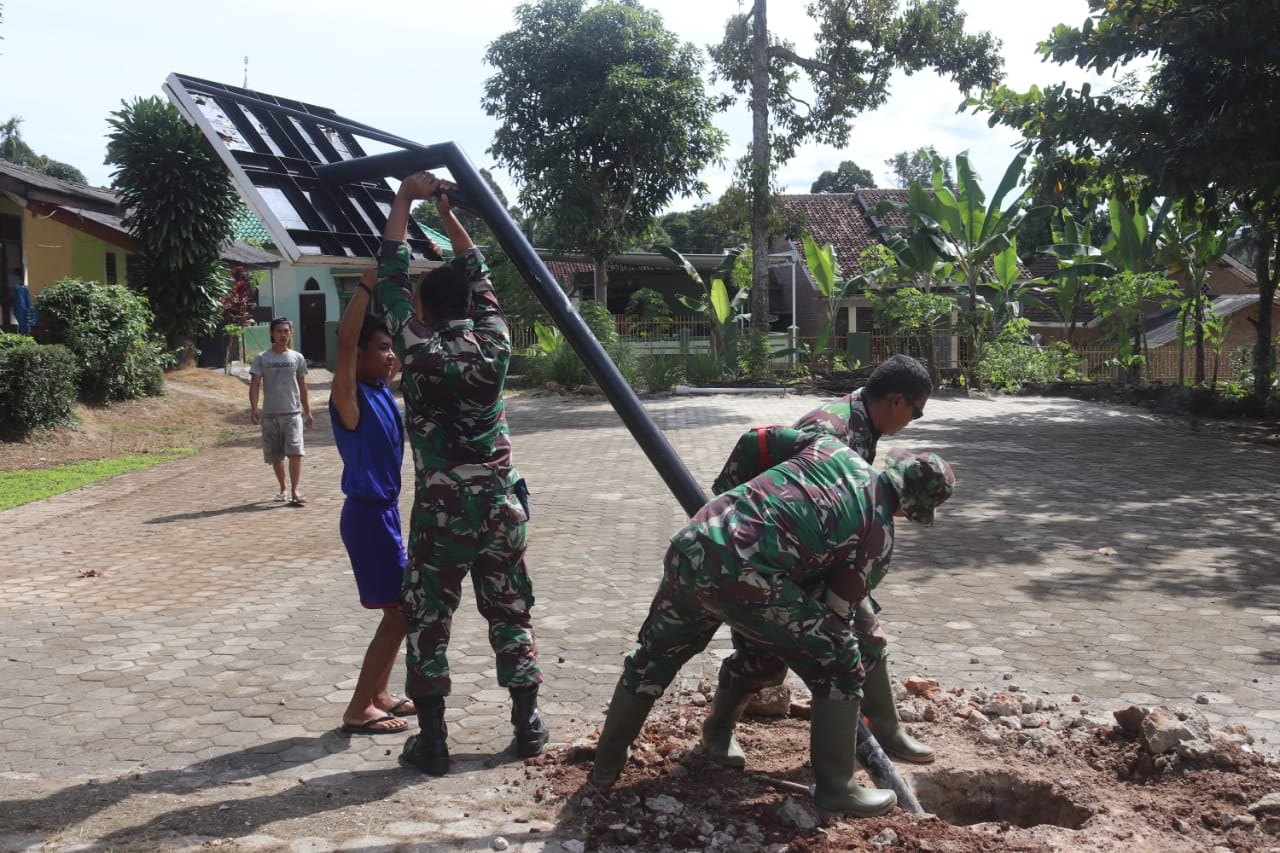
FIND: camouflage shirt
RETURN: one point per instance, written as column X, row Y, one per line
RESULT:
column 815, row 517
column 846, row 419
column 452, row 379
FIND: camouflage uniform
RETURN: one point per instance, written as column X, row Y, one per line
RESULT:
column 846, row 419
column 759, row 448
column 783, row 559
column 465, row 516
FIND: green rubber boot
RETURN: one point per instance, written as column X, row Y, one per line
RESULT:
column 833, row 741
column 717, row 728
column 627, row 713
column 882, row 718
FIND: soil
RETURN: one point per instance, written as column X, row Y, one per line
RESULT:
column 1045, row 776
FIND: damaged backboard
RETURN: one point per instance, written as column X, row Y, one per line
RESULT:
column 277, row 150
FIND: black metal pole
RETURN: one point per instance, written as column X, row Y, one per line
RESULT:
column 479, row 197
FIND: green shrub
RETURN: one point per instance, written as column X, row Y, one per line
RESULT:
column 1011, row 361
column 37, row 386
column 108, row 328
column 658, row 373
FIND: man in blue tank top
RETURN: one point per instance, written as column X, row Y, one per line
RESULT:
column 370, row 438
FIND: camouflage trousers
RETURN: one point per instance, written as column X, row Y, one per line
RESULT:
column 777, row 625
column 487, row 540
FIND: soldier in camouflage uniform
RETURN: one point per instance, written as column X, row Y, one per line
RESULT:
column 894, row 396
column 469, row 510
column 784, row 560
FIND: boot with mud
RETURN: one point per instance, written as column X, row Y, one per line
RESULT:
column 626, row 716
column 531, row 732
column 428, row 750
column 833, row 741
column 882, row 718
column 717, row 729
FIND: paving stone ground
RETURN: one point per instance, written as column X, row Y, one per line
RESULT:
column 174, row 638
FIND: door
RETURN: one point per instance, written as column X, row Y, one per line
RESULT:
column 311, row 307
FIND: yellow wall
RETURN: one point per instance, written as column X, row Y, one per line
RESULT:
column 55, row 251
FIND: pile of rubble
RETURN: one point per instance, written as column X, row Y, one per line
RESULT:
column 1015, row 771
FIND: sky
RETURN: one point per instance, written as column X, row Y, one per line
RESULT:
column 417, row 70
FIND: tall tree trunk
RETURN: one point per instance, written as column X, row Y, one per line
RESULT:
column 1264, row 351
column 602, row 281
column 1199, row 336
column 759, row 168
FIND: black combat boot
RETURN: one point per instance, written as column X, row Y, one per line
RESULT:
column 428, row 750
column 531, row 732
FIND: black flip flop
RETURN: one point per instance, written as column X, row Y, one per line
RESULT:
column 395, row 710
column 369, row 727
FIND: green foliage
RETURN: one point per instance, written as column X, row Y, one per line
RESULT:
column 648, row 315
column 755, row 354
column 551, row 359
column 720, row 310
column 916, row 167
column 602, row 150
column 1118, row 302
column 1011, row 360
column 22, row 487
column 858, row 47
column 37, row 386
column 108, row 328
column 848, row 177
column 659, row 373
column 1194, row 130
column 180, row 204
column 961, row 228
column 13, row 149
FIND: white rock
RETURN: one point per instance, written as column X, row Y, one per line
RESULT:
column 663, row 804
column 1270, row 804
column 499, row 843
column 1162, row 731
column 990, row 735
column 885, row 838
column 573, row 846
column 791, row 813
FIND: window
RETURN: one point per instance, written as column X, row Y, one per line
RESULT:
column 112, row 277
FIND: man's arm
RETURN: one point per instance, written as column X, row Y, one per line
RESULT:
column 255, row 388
column 393, row 257
column 342, row 394
column 307, row 419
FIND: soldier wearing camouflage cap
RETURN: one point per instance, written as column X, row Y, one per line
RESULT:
column 894, row 396
column 784, row 560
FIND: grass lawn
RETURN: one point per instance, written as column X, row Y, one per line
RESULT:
column 22, row 487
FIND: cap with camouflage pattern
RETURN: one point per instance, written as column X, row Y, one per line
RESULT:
column 922, row 481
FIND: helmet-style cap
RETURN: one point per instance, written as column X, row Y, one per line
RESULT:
column 922, row 481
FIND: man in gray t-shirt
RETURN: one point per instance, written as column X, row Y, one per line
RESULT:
column 280, row 374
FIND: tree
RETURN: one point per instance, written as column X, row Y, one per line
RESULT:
column 848, row 177
column 860, row 43
column 709, row 228
column 179, row 202
column 916, row 167
column 1199, row 129
column 13, row 149
column 604, row 120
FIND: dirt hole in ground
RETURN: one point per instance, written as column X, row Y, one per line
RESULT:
column 964, row 798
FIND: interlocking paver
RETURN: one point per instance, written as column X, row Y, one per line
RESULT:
column 1088, row 550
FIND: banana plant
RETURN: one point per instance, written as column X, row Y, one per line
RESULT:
column 825, row 269
column 714, row 302
column 962, row 228
column 1079, row 262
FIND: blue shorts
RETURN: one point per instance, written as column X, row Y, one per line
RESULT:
column 371, row 533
